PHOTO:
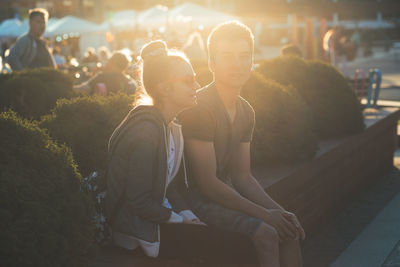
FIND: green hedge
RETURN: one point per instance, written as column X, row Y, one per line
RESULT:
column 45, row 219
column 33, row 93
column 85, row 124
column 335, row 107
column 283, row 132
column 341, row 112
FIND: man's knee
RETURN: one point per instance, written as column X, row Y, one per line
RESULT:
column 266, row 235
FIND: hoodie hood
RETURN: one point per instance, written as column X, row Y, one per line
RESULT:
column 138, row 114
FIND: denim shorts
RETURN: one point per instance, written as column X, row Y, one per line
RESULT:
column 226, row 219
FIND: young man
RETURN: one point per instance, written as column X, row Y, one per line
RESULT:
column 30, row 50
column 223, row 192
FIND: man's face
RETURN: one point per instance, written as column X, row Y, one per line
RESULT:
column 37, row 25
column 232, row 62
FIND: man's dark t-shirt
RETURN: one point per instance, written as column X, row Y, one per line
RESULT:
column 209, row 121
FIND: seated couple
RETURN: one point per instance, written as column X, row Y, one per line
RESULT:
column 213, row 186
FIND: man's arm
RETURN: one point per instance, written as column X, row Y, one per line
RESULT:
column 248, row 186
column 244, row 181
column 201, row 157
column 15, row 54
column 202, row 160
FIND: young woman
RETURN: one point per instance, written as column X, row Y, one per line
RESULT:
column 146, row 151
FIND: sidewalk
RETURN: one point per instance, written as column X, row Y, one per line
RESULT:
column 366, row 233
column 378, row 245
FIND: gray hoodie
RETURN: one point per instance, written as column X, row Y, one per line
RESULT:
column 137, row 174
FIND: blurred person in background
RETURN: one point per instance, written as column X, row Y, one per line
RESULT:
column 58, row 58
column 356, row 41
column 4, row 48
column 329, row 44
column 194, row 48
column 111, row 79
column 103, row 54
column 291, row 49
column 335, row 43
column 90, row 57
column 31, row 50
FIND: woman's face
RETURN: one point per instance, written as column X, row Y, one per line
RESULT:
column 182, row 86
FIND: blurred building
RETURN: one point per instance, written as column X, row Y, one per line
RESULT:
column 57, row 8
column 342, row 9
column 98, row 10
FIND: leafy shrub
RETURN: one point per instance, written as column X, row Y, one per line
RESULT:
column 341, row 112
column 283, row 132
column 45, row 219
column 85, row 124
column 334, row 105
column 33, row 93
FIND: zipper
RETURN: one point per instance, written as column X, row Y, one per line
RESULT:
column 184, row 172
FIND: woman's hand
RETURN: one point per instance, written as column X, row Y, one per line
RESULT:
column 193, row 221
column 189, row 217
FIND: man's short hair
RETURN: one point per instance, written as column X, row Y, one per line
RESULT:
column 230, row 31
column 38, row 12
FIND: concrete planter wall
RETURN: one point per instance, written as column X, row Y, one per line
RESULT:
column 318, row 189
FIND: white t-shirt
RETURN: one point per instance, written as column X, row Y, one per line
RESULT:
column 187, row 214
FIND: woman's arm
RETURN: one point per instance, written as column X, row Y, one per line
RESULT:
column 143, row 142
column 178, row 203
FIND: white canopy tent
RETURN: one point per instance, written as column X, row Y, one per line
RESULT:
column 123, row 20
column 50, row 22
column 13, row 28
column 153, row 18
column 197, row 15
column 72, row 25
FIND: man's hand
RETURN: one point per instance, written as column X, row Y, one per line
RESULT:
column 292, row 218
column 281, row 221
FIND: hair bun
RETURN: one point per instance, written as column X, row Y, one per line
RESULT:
column 154, row 49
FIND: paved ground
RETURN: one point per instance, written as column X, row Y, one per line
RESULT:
column 366, row 233
column 374, row 245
